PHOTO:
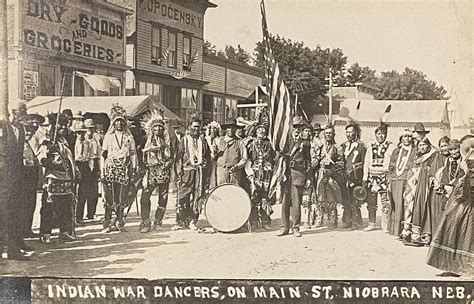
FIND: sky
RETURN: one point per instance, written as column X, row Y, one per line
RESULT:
column 434, row 37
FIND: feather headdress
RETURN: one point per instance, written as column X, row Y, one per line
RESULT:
column 383, row 120
column 150, row 120
column 154, row 118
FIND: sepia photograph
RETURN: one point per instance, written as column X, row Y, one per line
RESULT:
column 270, row 151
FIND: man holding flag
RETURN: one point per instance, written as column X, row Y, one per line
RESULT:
column 291, row 170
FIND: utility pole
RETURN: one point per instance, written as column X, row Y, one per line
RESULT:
column 330, row 96
column 3, row 61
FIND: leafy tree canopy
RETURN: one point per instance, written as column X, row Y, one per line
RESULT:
column 304, row 69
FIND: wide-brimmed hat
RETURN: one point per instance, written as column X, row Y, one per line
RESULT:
column 34, row 118
column 81, row 127
column 230, row 123
column 317, row 126
column 359, row 193
column 89, row 123
column 420, row 128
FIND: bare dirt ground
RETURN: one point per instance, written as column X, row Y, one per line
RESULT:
column 319, row 254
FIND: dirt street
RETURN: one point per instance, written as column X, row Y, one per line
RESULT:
column 318, row 254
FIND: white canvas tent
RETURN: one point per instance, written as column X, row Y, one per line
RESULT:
column 403, row 115
column 134, row 105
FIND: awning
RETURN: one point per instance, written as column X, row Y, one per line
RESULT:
column 133, row 105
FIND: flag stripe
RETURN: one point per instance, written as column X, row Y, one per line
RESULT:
column 280, row 112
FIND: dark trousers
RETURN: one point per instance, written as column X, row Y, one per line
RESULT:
column 88, row 191
column 291, row 197
column 28, row 198
column 116, row 196
column 187, row 207
column 258, row 213
column 10, row 213
column 62, row 206
column 351, row 213
column 145, row 202
column 93, row 193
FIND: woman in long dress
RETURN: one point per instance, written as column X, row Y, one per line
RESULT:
column 417, row 219
column 400, row 163
column 452, row 247
column 437, row 201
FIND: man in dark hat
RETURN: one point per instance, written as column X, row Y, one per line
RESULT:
column 231, row 156
column 11, row 155
column 69, row 135
column 259, row 169
column 30, row 175
column 60, row 177
column 419, row 132
column 298, row 176
column 353, row 157
column 376, row 164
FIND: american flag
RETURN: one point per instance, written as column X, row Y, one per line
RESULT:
column 280, row 110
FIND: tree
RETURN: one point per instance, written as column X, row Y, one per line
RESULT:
column 357, row 74
column 237, row 54
column 304, row 70
column 208, row 48
column 409, row 85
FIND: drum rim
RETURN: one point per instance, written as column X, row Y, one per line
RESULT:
column 227, row 184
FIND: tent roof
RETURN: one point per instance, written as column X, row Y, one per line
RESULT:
column 133, row 105
column 429, row 112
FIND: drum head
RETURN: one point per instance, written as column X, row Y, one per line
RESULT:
column 228, row 207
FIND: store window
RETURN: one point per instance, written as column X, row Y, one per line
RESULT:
column 171, row 98
column 148, row 88
column 230, row 109
column 218, row 113
column 156, row 46
column 187, row 53
column 189, row 103
column 79, row 85
column 172, row 49
column 47, row 77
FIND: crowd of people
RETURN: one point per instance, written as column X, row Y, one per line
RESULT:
column 425, row 192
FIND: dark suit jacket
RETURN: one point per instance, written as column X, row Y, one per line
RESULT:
column 300, row 157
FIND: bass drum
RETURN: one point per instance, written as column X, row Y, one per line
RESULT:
column 228, row 207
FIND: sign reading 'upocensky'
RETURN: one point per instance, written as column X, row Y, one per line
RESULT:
column 170, row 14
column 55, row 26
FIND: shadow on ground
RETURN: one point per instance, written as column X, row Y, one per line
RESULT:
column 93, row 253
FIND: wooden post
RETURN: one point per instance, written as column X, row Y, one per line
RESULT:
column 330, row 96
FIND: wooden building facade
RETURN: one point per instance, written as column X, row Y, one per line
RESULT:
column 49, row 40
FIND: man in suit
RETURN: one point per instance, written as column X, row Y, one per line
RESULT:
column 298, row 176
column 353, row 156
column 12, row 138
